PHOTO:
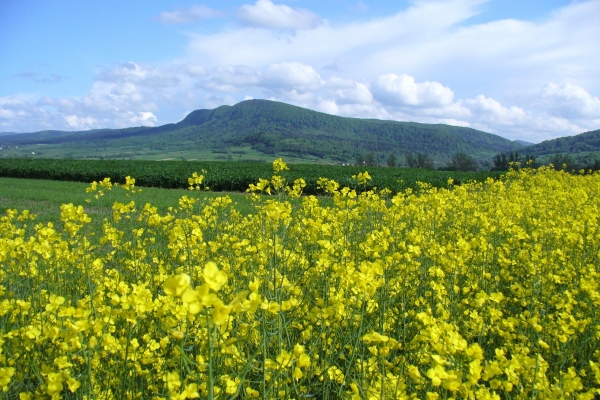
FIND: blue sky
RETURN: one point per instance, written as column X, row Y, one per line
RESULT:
column 521, row 69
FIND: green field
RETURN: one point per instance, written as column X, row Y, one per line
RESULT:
column 44, row 198
column 227, row 176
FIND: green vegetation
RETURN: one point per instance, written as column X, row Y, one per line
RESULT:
column 44, row 198
column 419, row 160
column 261, row 130
column 224, row 176
column 582, row 143
column 575, row 162
column 391, row 160
column 462, row 162
column 503, row 161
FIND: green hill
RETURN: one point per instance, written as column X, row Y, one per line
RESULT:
column 582, row 143
column 258, row 129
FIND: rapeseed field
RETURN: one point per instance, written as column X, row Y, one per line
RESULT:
column 481, row 291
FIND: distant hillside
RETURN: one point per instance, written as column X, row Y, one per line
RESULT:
column 584, row 142
column 269, row 128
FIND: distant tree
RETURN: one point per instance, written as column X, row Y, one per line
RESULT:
column 419, row 160
column 462, row 162
column 485, row 165
column 370, row 160
column 411, row 160
column 391, row 160
column 360, row 160
column 424, row 161
column 562, row 161
column 590, row 161
column 500, row 162
column 529, row 160
column 503, row 161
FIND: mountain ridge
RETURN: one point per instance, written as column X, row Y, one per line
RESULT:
column 269, row 128
column 584, row 142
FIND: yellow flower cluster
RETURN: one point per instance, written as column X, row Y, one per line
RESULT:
column 278, row 184
column 487, row 290
column 196, row 182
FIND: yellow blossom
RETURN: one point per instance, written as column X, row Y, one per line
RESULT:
column 176, row 285
column 214, row 277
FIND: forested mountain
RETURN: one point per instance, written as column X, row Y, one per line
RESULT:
column 274, row 128
column 584, row 142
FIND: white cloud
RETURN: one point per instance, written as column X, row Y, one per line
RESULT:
column 454, row 122
column 265, row 14
column 126, row 95
column 491, row 110
column 142, row 75
column 570, row 101
column 5, row 113
column 328, row 107
column 404, row 91
column 80, row 123
column 188, row 15
column 193, row 70
column 230, row 79
column 291, row 76
column 348, row 91
column 431, row 40
column 377, row 45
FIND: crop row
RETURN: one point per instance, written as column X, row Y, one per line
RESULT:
column 224, row 176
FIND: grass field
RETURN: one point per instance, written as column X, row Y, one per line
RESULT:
column 44, row 198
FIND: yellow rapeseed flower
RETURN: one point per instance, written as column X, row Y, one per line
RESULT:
column 213, row 277
column 177, row 285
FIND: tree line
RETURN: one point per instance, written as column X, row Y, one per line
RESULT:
column 502, row 161
column 459, row 161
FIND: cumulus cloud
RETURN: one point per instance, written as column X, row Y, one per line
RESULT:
column 128, row 94
column 349, row 91
column 404, row 91
column 491, row 110
column 193, row 70
column 143, row 75
column 291, row 76
column 188, row 15
column 230, row 79
column 80, row 123
column 266, row 14
column 570, row 101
